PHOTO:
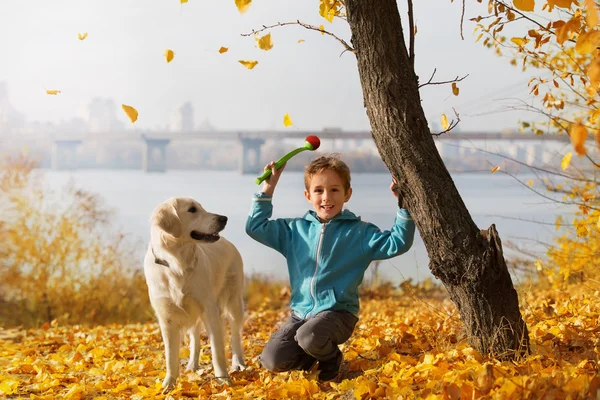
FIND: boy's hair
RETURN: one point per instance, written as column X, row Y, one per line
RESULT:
column 329, row 161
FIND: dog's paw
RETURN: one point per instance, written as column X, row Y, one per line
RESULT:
column 168, row 384
column 237, row 365
column 192, row 366
column 224, row 380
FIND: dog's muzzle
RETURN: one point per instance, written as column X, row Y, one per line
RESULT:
column 211, row 237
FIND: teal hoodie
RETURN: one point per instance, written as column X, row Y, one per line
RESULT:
column 327, row 262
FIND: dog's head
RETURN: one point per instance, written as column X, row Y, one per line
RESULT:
column 184, row 218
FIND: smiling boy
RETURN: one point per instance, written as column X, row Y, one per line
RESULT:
column 328, row 251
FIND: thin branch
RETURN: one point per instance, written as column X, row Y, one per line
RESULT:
column 462, row 18
column 429, row 82
column 525, row 220
column 452, row 125
column 307, row 26
column 411, row 27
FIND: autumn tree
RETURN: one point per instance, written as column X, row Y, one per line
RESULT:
column 560, row 49
column 469, row 262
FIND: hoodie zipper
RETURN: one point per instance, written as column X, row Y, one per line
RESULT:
column 314, row 277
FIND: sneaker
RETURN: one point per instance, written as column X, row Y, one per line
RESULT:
column 330, row 369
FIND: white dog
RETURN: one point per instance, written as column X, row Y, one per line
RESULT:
column 193, row 276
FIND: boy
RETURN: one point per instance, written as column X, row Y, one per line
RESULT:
column 327, row 253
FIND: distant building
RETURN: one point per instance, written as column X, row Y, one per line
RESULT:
column 11, row 121
column 102, row 116
column 182, row 119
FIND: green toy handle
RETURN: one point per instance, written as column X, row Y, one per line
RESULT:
column 282, row 161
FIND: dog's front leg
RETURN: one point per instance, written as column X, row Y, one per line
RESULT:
column 171, row 339
column 194, row 333
column 214, row 327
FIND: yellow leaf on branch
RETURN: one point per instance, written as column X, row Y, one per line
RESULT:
column 242, row 5
column 328, row 9
column 591, row 17
column 248, row 64
column 322, row 29
column 131, row 112
column 444, row 122
column 287, row 121
column 519, row 41
column 587, row 42
column 265, row 42
column 455, row 89
column 578, row 134
column 524, row 5
column 566, row 160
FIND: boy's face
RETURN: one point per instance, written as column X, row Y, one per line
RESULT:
column 327, row 195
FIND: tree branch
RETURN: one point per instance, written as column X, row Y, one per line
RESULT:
column 306, row 26
column 411, row 27
column 429, row 82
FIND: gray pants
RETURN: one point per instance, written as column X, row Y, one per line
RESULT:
column 299, row 343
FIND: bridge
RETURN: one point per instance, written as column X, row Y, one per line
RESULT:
column 155, row 144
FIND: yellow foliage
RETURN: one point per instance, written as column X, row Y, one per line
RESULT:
column 248, row 64
column 169, row 54
column 578, row 134
column 524, row 5
column 242, row 5
column 81, row 36
column 265, row 42
column 131, row 112
column 59, row 259
column 287, row 121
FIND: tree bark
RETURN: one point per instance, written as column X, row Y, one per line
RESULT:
column 470, row 264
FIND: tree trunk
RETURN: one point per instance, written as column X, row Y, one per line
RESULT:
column 470, row 264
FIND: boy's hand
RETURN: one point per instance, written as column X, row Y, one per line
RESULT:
column 271, row 181
column 396, row 191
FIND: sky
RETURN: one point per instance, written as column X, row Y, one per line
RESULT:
column 122, row 58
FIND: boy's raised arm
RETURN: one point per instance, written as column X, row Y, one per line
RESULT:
column 273, row 233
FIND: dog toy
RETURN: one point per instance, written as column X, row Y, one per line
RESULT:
column 310, row 143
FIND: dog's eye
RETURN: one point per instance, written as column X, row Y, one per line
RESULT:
column 192, row 209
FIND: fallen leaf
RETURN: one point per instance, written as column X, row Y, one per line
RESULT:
column 131, row 112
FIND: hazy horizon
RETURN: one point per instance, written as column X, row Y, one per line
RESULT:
column 122, row 59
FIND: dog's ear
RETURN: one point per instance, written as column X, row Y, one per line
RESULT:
column 166, row 218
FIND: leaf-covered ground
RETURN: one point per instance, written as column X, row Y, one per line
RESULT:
column 405, row 346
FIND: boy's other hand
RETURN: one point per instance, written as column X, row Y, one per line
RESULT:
column 271, row 181
column 396, row 191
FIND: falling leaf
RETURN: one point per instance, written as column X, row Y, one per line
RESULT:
column 223, row 49
column 444, row 121
column 131, row 112
column 287, row 121
column 578, row 134
column 183, row 1
column 322, row 29
column 248, row 64
column 455, row 89
column 496, row 168
column 82, row 36
column 300, row 40
column 566, row 160
column 53, row 92
column 265, row 42
column 558, row 222
column 530, row 183
column 243, row 5
column 524, row 5
column 169, row 54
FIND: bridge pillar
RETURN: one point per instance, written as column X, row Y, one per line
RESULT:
column 154, row 155
column 251, row 161
column 64, row 154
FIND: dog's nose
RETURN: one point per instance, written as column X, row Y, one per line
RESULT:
column 222, row 219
